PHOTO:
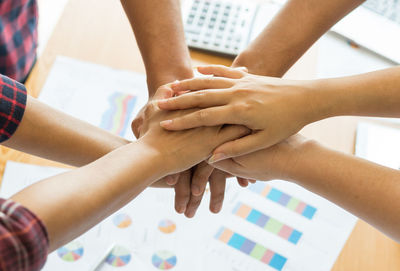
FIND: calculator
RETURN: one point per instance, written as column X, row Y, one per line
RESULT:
column 225, row 27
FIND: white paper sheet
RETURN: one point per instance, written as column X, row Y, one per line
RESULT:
column 192, row 241
column 100, row 95
column 337, row 58
column 379, row 144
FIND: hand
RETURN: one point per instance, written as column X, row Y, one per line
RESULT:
column 189, row 185
column 273, row 108
column 162, row 93
column 184, row 149
column 276, row 162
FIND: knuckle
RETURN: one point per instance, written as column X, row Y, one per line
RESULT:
column 149, row 110
column 207, row 80
column 199, row 95
column 195, row 201
column 201, row 178
column 201, row 115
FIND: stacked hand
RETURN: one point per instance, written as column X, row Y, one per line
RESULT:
column 274, row 109
column 189, row 185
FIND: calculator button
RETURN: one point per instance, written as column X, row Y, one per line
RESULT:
column 193, row 31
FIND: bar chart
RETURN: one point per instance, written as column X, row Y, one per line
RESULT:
column 251, row 248
column 267, row 223
column 284, row 199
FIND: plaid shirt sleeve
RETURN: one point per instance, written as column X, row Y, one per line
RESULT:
column 23, row 238
column 12, row 106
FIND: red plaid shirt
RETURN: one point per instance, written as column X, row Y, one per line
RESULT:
column 23, row 237
column 18, row 37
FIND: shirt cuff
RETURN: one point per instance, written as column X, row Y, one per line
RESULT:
column 23, row 238
column 13, row 98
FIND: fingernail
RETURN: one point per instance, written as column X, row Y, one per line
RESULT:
column 190, row 213
column 217, row 207
column 169, row 180
column 217, row 157
column 181, row 209
column 165, row 123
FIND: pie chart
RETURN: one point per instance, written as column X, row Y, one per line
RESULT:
column 71, row 252
column 118, row 257
column 167, row 226
column 164, row 260
column 122, row 220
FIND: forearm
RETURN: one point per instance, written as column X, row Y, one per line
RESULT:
column 289, row 35
column 368, row 190
column 92, row 192
column 371, row 94
column 51, row 134
column 159, row 33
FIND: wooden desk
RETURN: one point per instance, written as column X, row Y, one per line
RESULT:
column 98, row 31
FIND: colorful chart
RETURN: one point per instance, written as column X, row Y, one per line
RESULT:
column 118, row 257
column 122, row 220
column 284, row 199
column 266, row 222
column 71, row 252
column 116, row 118
column 167, row 226
column 250, row 248
column 164, row 260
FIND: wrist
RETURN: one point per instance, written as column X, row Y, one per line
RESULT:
column 164, row 75
column 322, row 100
column 162, row 163
column 151, row 161
column 253, row 61
column 303, row 154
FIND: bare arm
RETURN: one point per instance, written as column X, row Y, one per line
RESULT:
column 98, row 189
column 289, row 35
column 51, row 134
column 276, row 108
column 368, row 190
column 159, row 33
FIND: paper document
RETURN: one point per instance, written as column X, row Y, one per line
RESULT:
column 100, row 95
column 268, row 226
column 379, row 144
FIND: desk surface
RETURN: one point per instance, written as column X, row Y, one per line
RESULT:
column 97, row 31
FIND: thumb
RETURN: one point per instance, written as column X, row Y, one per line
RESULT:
column 238, row 147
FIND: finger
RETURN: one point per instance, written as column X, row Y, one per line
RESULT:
column 200, row 99
column 217, row 189
column 163, row 92
column 200, row 178
column 229, row 166
column 238, row 147
column 193, row 205
column 223, row 71
column 137, row 125
column 242, row 181
column 200, row 83
column 172, row 179
column 205, row 117
column 182, row 191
